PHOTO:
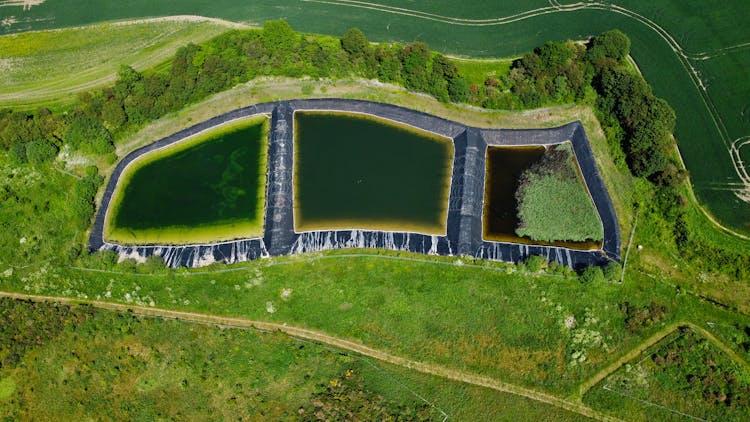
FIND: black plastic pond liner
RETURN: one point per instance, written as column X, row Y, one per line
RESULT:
column 464, row 224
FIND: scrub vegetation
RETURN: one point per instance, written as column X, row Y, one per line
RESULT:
column 685, row 375
column 553, row 202
column 81, row 362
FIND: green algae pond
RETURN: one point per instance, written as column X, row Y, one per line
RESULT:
column 500, row 218
column 357, row 171
column 209, row 187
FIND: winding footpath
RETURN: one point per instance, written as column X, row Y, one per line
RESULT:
column 320, row 337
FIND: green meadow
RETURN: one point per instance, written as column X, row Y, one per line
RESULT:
column 210, row 187
column 81, row 363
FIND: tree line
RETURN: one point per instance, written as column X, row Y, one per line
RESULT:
column 557, row 72
column 638, row 125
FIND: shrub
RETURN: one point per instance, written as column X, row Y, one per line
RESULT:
column 535, row 263
column 592, row 274
column 638, row 318
column 38, row 152
column 89, row 135
column 612, row 271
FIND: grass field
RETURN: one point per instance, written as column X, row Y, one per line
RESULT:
column 48, row 68
column 489, row 319
column 107, row 364
column 492, row 29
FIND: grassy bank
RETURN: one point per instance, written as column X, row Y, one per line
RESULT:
column 48, row 68
column 95, row 363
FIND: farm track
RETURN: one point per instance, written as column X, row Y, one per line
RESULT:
column 320, row 337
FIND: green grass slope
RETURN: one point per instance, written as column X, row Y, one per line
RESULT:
column 48, row 68
column 79, row 363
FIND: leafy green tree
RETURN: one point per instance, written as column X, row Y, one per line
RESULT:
column 113, row 113
column 612, row 44
column 554, row 55
column 89, row 135
column 17, row 154
column 389, row 63
column 127, row 79
column 415, row 57
column 591, row 274
column 278, row 37
column 355, row 43
column 41, row 151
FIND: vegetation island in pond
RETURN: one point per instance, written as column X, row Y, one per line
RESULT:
column 208, row 188
column 536, row 195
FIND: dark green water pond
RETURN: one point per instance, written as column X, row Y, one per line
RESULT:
column 358, row 171
column 504, row 166
column 216, row 181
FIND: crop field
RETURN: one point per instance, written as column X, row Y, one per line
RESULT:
column 48, row 68
column 674, row 45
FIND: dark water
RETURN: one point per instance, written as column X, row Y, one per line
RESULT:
column 500, row 219
column 216, row 181
column 354, row 171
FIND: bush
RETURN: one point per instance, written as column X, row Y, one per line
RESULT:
column 612, row 271
column 638, row 318
column 154, row 263
column 89, row 135
column 17, row 154
column 592, row 274
column 38, row 152
column 535, row 263
column 82, row 198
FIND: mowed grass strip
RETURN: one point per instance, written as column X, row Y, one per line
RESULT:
column 207, row 188
column 47, row 68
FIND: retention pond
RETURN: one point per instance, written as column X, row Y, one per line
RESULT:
column 355, row 171
column 207, row 188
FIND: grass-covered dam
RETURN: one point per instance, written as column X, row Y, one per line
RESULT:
column 310, row 175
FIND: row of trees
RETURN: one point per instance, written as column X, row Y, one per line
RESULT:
column 200, row 70
column 638, row 122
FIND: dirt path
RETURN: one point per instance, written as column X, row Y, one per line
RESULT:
column 320, row 337
column 658, row 336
